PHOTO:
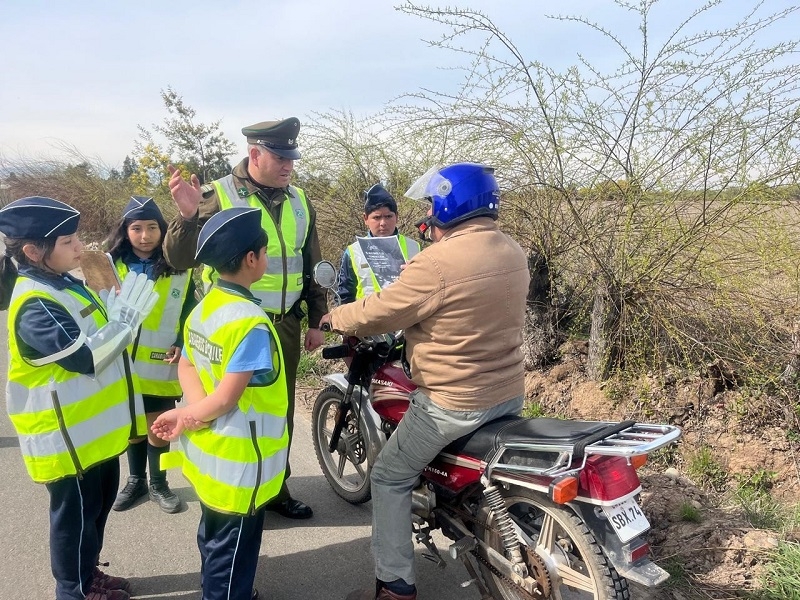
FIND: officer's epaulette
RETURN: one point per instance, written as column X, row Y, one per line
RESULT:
column 207, row 190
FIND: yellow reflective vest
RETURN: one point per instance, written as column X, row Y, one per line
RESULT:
column 366, row 282
column 157, row 333
column 282, row 284
column 68, row 422
column 236, row 464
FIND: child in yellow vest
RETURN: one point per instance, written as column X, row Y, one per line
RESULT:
column 233, row 437
column 135, row 246
column 71, row 396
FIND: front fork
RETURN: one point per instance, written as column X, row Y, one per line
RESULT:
column 341, row 418
column 368, row 420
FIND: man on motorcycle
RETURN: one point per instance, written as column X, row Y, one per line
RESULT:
column 461, row 302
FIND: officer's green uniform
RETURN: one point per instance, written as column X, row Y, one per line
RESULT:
column 181, row 240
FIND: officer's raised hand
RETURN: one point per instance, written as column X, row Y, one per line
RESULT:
column 186, row 195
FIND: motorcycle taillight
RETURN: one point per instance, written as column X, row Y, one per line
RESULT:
column 607, row 478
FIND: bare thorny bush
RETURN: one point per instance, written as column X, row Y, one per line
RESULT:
column 75, row 179
column 659, row 194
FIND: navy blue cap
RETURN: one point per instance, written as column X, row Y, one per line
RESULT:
column 377, row 197
column 38, row 218
column 142, row 208
column 226, row 234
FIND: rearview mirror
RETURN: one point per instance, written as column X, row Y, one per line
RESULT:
column 325, row 274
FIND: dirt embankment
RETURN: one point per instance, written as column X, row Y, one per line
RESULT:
column 699, row 532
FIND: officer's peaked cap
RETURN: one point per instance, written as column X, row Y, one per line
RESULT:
column 38, row 218
column 226, row 234
column 279, row 137
column 142, row 208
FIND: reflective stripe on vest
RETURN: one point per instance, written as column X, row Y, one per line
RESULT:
column 237, row 463
column 158, row 333
column 366, row 282
column 282, row 284
column 68, row 422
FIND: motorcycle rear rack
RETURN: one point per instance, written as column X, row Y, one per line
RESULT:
column 638, row 439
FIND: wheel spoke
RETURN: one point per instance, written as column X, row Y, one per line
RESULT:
column 340, row 467
column 575, row 579
column 547, row 535
column 360, row 470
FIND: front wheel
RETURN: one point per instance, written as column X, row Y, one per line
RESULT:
column 558, row 549
column 346, row 468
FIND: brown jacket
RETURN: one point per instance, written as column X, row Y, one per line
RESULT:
column 461, row 302
column 180, row 242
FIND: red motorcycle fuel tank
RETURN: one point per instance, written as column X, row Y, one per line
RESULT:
column 389, row 392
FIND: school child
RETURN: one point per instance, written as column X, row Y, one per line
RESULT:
column 233, row 436
column 135, row 246
column 70, row 394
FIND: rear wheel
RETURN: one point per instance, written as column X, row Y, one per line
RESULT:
column 559, row 550
column 346, row 468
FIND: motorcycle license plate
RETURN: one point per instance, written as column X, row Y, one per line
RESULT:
column 627, row 519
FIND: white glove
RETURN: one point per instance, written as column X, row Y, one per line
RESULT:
column 134, row 302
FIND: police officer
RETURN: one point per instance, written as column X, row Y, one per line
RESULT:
column 261, row 181
column 356, row 278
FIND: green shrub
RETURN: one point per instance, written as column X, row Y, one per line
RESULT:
column 533, row 410
column 760, row 508
column 704, row 468
column 781, row 577
column 688, row 512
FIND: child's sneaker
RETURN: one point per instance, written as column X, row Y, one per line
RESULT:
column 99, row 594
column 109, row 582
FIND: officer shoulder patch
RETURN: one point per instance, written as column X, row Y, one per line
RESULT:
column 300, row 213
column 243, row 192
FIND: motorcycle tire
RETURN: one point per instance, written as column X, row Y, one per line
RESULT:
column 566, row 559
column 347, row 469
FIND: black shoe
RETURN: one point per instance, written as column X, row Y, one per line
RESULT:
column 164, row 497
column 133, row 490
column 291, row 509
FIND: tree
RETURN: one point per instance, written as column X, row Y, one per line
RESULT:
column 649, row 188
column 342, row 157
column 202, row 146
column 152, row 175
column 129, row 167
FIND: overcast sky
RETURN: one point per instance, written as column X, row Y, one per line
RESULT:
column 86, row 73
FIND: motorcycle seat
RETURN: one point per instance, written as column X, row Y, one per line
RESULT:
column 484, row 441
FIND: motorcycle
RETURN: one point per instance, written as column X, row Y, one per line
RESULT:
column 545, row 508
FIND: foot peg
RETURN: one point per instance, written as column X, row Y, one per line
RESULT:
column 462, row 546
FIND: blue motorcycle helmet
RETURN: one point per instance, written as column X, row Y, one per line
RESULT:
column 457, row 192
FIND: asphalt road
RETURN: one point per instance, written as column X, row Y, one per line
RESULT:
column 320, row 559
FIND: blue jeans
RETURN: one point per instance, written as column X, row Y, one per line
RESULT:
column 422, row 433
